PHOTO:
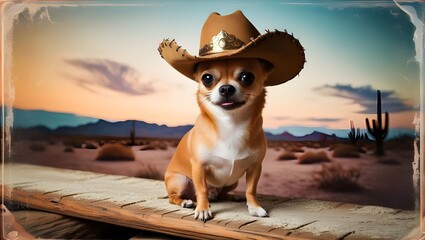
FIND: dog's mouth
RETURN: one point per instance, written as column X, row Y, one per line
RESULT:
column 230, row 104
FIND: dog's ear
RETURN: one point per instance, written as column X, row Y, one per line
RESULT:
column 266, row 65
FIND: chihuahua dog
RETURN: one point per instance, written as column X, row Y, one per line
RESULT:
column 227, row 139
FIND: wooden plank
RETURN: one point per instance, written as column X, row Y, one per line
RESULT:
column 114, row 214
column 142, row 204
column 255, row 227
column 54, row 226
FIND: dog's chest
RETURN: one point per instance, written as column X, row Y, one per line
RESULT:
column 229, row 158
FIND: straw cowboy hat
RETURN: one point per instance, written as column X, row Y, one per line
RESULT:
column 234, row 36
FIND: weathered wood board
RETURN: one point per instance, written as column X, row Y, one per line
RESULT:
column 142, row 204
column 47, row 225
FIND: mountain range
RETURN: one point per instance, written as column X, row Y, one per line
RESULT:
column 44, row 122
column 103, row 128
column 313, row 137
column 123, row 128
column 52, row 120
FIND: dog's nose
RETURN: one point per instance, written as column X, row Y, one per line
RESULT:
column 227, row 90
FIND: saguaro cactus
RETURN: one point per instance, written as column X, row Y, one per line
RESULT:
column 133, row 133
column 378, row 131
column 353, row 135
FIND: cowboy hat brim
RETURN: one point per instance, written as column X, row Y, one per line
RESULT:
column 280, row 49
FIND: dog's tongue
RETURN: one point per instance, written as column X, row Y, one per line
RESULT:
column 227, row 103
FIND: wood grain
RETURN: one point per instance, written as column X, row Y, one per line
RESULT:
column 54, row 226
column 142, row 204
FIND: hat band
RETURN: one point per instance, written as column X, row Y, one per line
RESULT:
column 221, row 42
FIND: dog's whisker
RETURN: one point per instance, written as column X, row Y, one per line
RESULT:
column 249, row 97
column 207, row 97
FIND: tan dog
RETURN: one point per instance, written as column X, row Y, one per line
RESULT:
column 227, row 139
column 234, row 66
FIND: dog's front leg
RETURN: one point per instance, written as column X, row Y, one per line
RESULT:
column 252, row 176
column 202, row 211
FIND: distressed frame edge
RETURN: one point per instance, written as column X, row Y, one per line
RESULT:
column 6, row 124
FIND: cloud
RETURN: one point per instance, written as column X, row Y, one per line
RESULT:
column 360, row 4
column 281, row 118
column 313, row 119
column 111, row 75
column 365, row 96
column 324, row 119
column 339, row 5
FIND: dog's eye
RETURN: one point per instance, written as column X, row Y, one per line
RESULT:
column 207, row 79
column 247, row 78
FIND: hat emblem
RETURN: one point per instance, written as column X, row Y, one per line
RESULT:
column 221, row 42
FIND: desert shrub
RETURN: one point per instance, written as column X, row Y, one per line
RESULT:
column 294, row 148
column 401, row 142
column 36, row 147
column 90, row 146
column 115, row 152
column 334, row 177
column 362, row 149
column 369, row 146
column 74, row 143
column 388, row 161
column 150, row 172
column 311, row 157
column 68, row 149
column 101, row 143
column 161, row 145
column 317, row 145
column 157, row 145
column 174, row 143
column 308, row 144
column 287, row 155
column 272, row 144
column 147, row 148
column 129, row 143
column 346, row 151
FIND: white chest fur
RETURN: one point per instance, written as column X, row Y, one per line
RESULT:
column 229, row 158
column 232, row 144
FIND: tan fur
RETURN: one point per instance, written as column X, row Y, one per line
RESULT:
column 189, row 174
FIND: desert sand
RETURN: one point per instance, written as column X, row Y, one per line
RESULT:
column 388, row 185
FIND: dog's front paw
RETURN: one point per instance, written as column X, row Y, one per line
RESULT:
column 187, row 203
column 257, row 211
column 203, row 214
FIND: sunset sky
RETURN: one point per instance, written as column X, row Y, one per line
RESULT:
column 100, row 60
